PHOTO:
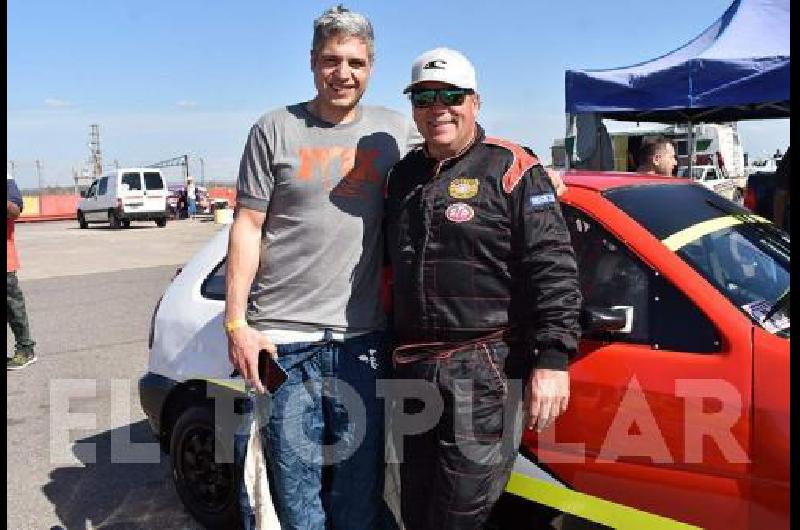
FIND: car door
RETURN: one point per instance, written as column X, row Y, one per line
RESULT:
column 89, row 203
column 641, row 426
column 154, row 191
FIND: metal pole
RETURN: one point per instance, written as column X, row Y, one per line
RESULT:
column 39, row 176
column 185, row 169
column 202, row 170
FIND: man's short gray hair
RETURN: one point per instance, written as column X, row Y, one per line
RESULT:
column 341, row 21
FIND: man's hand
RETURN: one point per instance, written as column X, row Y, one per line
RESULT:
column 12, row 210
column 557, row 181
column 548, row 396
column 243, row 346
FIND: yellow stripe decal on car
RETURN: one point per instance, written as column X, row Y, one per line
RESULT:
column 695, row 232
column 233, row 384
column 588, row 507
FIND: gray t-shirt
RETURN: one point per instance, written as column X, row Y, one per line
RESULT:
column 322, row 188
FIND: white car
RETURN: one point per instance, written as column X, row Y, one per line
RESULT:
column 713, row 179
column 125, row 195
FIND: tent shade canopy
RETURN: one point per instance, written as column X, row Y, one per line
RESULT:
column 737, row 69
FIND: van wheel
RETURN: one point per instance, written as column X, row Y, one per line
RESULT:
column 161, row 222
column 208, row 489
column 113, row 219
column 82, row 220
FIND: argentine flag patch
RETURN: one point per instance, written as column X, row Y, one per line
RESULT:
column 541, row 202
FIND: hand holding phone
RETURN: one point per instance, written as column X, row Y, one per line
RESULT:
column 270, row 373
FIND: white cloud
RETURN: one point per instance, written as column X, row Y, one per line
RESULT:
column 186, row 104
column 58, row 103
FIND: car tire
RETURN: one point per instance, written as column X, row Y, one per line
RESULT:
column 209, row 490
column 161, row 222
column 113, row 219
column 126, row 223
column 82, row 220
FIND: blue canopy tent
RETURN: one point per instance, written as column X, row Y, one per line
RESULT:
column 737, row 69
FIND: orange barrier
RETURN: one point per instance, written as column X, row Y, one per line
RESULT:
column 224, row 193
column 48, row 207
column 58, row 205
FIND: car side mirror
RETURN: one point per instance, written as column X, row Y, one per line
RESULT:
column 617, row 318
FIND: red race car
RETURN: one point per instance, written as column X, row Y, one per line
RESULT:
column 679, row 402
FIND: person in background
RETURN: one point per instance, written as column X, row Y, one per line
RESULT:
column 17, row 316
column 485, row 290
column 191, row 197
column 781, row 203
column 657, row 157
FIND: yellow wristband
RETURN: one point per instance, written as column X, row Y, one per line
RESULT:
column 235, row 324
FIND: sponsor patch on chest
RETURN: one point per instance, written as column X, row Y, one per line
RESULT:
column 459, row 212
column 463, row 188
column 541, row 201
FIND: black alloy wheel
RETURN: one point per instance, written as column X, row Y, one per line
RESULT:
column 208, row 489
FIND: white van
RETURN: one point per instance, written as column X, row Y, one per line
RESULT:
column 125, row 195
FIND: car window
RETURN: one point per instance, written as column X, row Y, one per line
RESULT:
column 102, row 186
column 611, row 276
column 711, row 174
column 133, row 180
column 214, row 285
column 153, row 180
column 92, row 190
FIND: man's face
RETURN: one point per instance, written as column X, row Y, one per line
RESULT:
column 341, row 69
column 446, row 129
column 665, row 161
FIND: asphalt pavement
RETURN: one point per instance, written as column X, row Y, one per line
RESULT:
column 73, row 415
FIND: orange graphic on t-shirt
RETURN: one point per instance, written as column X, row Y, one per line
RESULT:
column 356, row 167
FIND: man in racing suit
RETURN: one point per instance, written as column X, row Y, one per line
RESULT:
column 486, row 299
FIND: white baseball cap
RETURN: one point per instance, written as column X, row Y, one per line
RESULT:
column 443, row 65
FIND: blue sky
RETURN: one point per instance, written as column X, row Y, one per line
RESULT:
column 164, row 78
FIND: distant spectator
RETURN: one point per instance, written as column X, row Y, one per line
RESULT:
column 17, row 317
column 191, row 197
column 657, row 157
column 780, row 204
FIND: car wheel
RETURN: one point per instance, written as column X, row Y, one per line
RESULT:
column 208, row 489
column 126, row 223
column 113, row 219
column 82, row 220
column 161, row 222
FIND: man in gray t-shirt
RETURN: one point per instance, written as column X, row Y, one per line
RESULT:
column 303, row 283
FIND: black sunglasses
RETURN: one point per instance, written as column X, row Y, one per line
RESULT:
column 426, row 97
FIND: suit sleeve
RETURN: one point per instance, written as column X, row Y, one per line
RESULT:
column 549, row 271
column 13, row 194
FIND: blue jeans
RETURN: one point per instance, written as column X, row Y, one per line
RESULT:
column 324, row 435
column 191, row 206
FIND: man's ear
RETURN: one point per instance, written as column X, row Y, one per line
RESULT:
column 477, row 102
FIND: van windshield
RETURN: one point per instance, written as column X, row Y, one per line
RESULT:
column 133, row 181
column 153, row 180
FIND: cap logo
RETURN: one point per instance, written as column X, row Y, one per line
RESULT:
column 437, row 64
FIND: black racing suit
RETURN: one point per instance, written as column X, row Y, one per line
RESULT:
column 485, row 287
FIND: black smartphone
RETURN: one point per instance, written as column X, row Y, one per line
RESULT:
column 270, row 372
